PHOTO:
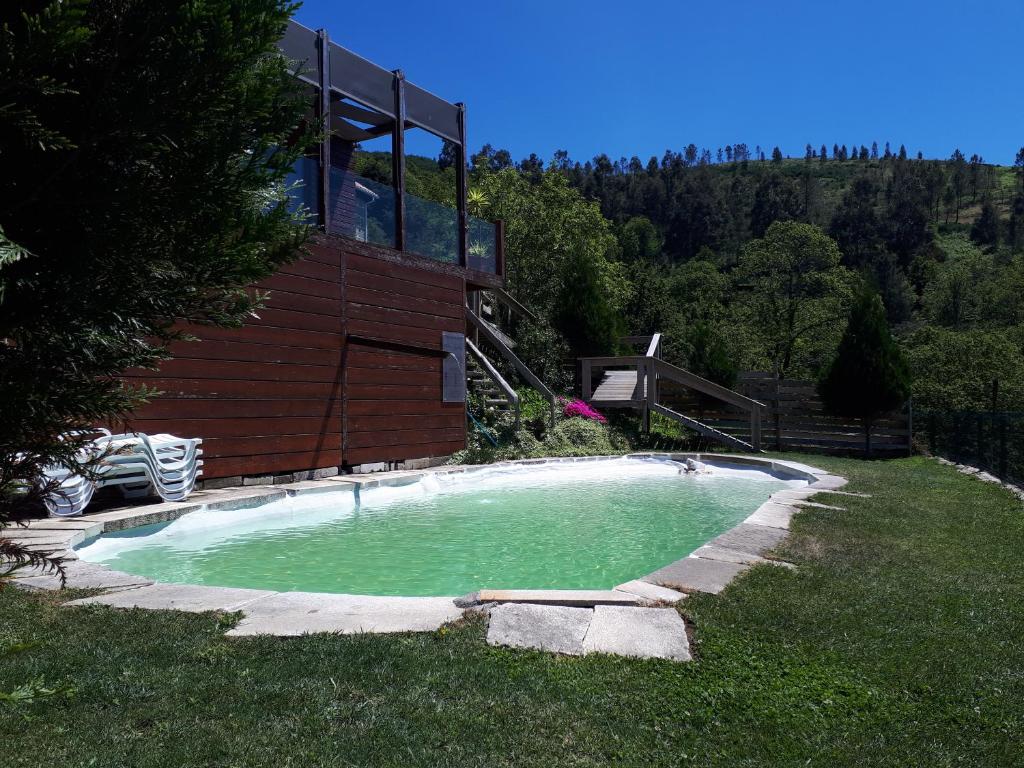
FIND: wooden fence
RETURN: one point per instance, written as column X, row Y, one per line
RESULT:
column 794, row 418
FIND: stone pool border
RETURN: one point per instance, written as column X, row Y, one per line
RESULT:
column 597, row 620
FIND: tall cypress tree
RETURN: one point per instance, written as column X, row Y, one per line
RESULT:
column 869, row 376
column 146, row 147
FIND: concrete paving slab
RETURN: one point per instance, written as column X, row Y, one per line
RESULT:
column 178, row 597
column 20, row 532
column 645, row 633
column 816, row 505
column 148, row 514
column 555, row 628
column 799, row 466
column 755, row 539
column 772, row 515
column 651, row 592
column 49, row 544
column 828, row 482
column 847, row 493
column 695, row 574
column 40, row 535
column 85, row 524
column 580, row 598
column 711, row 552
column 300, row 613
column 83, row 575
column 789, row 495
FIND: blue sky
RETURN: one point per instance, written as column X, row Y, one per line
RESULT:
column 641, row 77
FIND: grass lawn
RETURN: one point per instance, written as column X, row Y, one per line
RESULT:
column 899, row 641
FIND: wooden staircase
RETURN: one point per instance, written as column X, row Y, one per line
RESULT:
column 637, row 381
column 482, row 317
column 479, row 382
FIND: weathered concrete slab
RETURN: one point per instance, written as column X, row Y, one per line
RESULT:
column 711, row 552
column 651, row 592
column 43, row 536
column 798, row 466
column 300, row 613
column 645, row 633
column 178, row 597
column 755, row 539
column 149, row 514
column 555, row 628
column 580, row 598
column 772, row 515
column 82, row 575
column 828, row 482
column 85, row 524
column 834, row 492
column 47, row 544
column 19, row 532
column 695, row 574
column 816, row 505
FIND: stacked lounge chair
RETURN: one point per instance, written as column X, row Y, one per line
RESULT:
column 140, row 465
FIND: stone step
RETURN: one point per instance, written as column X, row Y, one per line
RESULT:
column 565, row 597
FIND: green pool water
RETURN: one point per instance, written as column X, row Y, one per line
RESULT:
column 584, row 526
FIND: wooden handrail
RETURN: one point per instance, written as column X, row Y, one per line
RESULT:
column 496, row 377
column 508, row 354
column 704, row 386
column 510, row 301
column 607, row 362
column 654, row 348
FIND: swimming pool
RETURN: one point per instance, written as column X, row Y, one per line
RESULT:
column 575, row 525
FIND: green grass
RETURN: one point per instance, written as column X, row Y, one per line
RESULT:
column 899, row 641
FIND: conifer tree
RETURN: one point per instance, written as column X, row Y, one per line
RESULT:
column 869, row 376
column 146, row 148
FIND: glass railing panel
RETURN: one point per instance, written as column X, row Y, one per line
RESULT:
column 431, row 229
column 303, row 185
column 483, row 246
column 361, row 209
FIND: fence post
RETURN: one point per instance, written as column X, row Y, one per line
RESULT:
column 586, row 381
column 776, row 408
column 755, row 427
column 1002, row 446
column 647, row 369
column 979, row 449
column 910, row 426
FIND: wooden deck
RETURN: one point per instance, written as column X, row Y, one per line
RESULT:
column 635, row 382
column 619, row 389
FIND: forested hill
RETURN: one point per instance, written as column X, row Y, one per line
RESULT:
column 942, row 240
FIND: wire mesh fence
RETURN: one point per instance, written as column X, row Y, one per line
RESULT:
column 990, row 440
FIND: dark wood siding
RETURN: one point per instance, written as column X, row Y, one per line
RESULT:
column 394, row 408
column 287, row 393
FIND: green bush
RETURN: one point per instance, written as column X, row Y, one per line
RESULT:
column 582, row 437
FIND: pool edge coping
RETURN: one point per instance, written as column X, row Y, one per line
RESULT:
column 710, row 571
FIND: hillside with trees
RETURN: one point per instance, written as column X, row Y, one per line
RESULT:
column 748, row 260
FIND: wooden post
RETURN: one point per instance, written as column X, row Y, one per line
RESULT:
column 775, row 409
column 462, row 189
column 398, row 159
column 755, row 428
column 647, row 369
column 910, row 427
column 324, row 212
column 586, row 379
column 1002, row 446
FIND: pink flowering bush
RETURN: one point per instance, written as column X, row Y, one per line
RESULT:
column 578, row 408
